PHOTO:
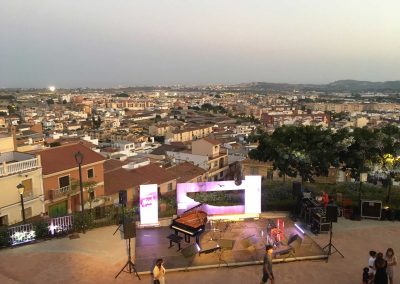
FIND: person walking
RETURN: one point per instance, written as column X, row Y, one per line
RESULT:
column 391, row 261
column 159, row 272
column 267, row 266
column 380, row 267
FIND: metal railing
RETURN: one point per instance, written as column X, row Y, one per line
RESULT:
column 61, row 192
column 60, row 224
column 16, row 167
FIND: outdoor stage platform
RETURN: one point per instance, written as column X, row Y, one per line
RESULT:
column 242, row 243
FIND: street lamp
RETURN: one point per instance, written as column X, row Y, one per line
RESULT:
column 79, row 160
column 21, row 189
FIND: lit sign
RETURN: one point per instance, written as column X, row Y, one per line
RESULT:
column 148, row 204
column 252, row 193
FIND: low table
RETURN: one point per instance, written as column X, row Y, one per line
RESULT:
column 175, row 239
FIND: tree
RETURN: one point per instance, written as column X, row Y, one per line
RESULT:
column 50, row 101
column 304, row 151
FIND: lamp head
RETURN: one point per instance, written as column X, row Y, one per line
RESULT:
column 79, row 157
column 21, row 188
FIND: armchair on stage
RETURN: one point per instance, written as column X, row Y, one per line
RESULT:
column 293, row 244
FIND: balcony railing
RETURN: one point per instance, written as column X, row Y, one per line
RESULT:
column 61, row 192
column 17, row 167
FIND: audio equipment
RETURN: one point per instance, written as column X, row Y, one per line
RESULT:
column 371, row 209
column 331, row 213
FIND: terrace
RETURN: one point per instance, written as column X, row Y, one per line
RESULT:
column 15, row 162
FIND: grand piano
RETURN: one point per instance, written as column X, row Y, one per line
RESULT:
column 191, row 223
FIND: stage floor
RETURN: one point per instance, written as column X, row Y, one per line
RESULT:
column 152, row 243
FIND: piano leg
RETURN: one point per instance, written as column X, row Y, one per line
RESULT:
column 198, row 239
column 187, row 238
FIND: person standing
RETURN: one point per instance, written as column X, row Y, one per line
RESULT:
column 267, row 266
column 380, row 267
column 391, row 261
column 159, row 272
column 371, row 264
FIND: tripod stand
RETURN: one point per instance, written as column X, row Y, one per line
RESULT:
column 129, row 263
column 330, row 245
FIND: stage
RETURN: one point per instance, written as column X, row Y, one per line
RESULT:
column 229, row 243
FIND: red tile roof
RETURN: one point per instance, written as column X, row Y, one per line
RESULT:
column 186, row 171
column 118, row 179
column 62, row 158
column 212, row 141
column 154, row 174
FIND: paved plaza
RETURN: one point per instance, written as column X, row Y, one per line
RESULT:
column 98, row 255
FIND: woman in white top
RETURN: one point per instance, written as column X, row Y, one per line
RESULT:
column 159, row 272
column 391, row 261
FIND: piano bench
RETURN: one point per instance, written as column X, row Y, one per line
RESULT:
column 175, row 239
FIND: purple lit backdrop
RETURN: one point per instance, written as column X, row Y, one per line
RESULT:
column 148, row 204
column 251, row 186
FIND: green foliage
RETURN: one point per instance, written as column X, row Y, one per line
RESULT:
column 219, row 198
column 83, row 221
column 121, row 95
column 308, row 151
column 50, row 101
column 215, row 109
column 41, row 228
column 4, row 237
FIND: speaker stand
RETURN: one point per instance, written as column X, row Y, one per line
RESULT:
column 330, row 245
column 131, row 266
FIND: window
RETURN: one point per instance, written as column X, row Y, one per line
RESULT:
column 28, row 212
column 4, row 220
column 63, row 181
column 170, row 186
column 28, row 190
column 90, row 173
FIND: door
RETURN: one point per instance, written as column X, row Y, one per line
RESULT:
column 59, row 209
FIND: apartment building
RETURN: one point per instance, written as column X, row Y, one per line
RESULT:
column 188, row 133
column 207, row 154
column 22, row 170
column 61, row 178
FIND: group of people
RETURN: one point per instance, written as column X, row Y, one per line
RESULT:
column 380, row 268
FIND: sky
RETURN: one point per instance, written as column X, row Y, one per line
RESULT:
column 114, row 43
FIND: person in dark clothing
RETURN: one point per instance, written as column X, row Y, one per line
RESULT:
column 365, row 275
column 380, row 267
column 267, row 266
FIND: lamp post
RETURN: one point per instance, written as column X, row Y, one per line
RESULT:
column 21, row 189
column 79, row 160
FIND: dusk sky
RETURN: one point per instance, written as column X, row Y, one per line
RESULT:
column 95, row 43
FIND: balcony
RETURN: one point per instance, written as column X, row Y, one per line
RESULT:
column 61, row 192
column 14, row 162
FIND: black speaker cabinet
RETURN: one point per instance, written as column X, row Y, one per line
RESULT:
column 371, row 209
column 123, row 197
column 129, row 229
column 331, row 213
column 296, row 189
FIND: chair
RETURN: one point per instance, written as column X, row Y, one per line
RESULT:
column 293, row 245
column 347, row 208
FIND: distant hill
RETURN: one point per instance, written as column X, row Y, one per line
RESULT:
column 337, row 86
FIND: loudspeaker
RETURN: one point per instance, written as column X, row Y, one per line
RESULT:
column 296, row 189
column 292, row 239
column 371, row 209
column 129, row 229
column 190, row 250
column 331, row 213
column 123, row 197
